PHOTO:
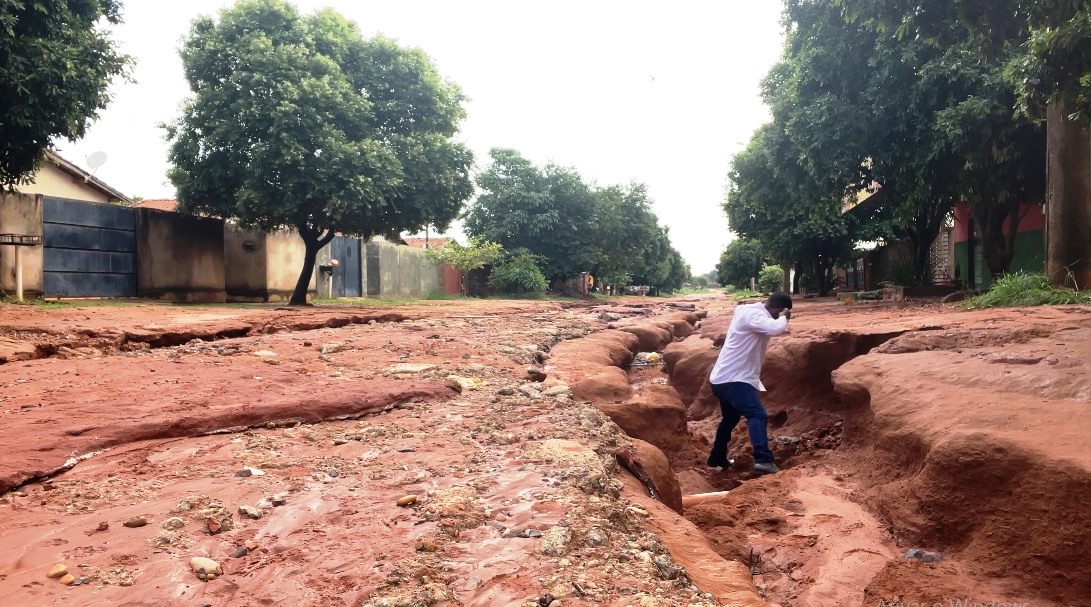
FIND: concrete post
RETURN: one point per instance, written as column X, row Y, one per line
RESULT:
column 18, row 273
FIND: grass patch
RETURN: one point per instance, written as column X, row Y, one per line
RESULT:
column 1026, row 290
column 741, row 294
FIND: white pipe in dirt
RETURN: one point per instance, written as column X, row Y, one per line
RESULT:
column 19, row 273
column 689, row 501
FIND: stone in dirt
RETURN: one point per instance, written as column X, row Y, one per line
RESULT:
column 332, row 347
column 67, row 579
column 205, row 567
column 250, row 512
column 136, row 521
column 407, row 500
column 56, row 571
column 536, row 374
column 555, row 541
column 174, row 522
column 529, row 391
column 409, row 368
column 557, row 390
column 265, row 354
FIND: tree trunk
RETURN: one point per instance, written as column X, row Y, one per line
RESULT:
column 998, row 247
column 313, row 241
column 786, row 279
column 798, row 277
column 1068, row 198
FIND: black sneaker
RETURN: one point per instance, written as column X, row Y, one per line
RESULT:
column 765, row 468
column 721, row 463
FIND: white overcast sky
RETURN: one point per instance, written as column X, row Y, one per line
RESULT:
column 659, row 92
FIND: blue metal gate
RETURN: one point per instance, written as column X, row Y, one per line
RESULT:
column 347, row 278
column 89, row 249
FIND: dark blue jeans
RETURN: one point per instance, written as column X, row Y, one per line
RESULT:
column 738, row 400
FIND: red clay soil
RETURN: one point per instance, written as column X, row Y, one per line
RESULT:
column 518, row 494
column 898, row 426
column 958, row 432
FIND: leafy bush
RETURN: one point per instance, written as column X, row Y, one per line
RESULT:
column 518, row 274
column 770, row 278
column 1022, row 289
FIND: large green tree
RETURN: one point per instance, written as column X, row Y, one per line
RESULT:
column 546, row 211
column 56, row 64
column 742, row 260
column 773, row 198
column 300, row 122
column 1044, row 45
column 625, row 226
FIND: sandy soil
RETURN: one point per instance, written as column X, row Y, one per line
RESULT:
column 279, row 442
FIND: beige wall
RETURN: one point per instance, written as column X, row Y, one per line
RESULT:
column 404, row 272
column 181, row 257
column 21, row 214
column 286, row 253
column 267, row 272
column 52, row 181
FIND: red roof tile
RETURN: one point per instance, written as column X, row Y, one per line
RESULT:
column 435, row 243
column 160, row 204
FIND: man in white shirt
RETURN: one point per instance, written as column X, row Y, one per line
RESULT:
column 736, row 378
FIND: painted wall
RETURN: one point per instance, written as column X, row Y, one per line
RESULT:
column 1029, row 253
column 21, row 214
column 262, row 267
column 1029, row 257
column 398, row 271
column 1033, row 220
column 52, row 181
column 181, row 257
column 286, row 253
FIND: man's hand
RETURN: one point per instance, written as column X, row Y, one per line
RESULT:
column 787, row 314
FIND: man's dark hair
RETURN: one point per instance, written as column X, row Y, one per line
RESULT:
column 779, row 300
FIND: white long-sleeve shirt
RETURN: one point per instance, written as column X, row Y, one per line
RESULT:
column 743, row 352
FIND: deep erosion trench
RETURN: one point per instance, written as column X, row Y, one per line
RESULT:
column 886, row 492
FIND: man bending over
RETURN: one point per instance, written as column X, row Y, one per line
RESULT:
column 736, row 378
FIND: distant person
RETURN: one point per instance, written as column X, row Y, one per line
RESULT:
column 736, row 378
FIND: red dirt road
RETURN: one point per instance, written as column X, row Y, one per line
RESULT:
column 899, row 426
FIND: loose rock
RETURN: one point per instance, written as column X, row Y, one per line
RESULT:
column 136, row 521
column 555, row 541
column 250, row 512
column 174, row 522
column 56, row 571
column 205, row 567
column 332, row 347
column 265, row 354
column 67, row 579
column 407, row 500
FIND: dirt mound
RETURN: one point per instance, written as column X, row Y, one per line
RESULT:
column 978, row 457
column 650, row 338
column 656, row 416
column 58, row 444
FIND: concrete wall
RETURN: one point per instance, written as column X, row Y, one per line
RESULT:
column 285, row 253
column 398, row 271
column 52, row 181
column 21, row 214
column 262, row 267
column 180, row 257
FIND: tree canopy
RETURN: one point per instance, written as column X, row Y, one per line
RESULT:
column 300, row 122
column 865, row 98
column 742, row 260
column 571, row 226
column 58, row 61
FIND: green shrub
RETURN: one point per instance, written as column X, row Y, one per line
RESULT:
column 1023, row 290
column 518, row 274
column 770, row 278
